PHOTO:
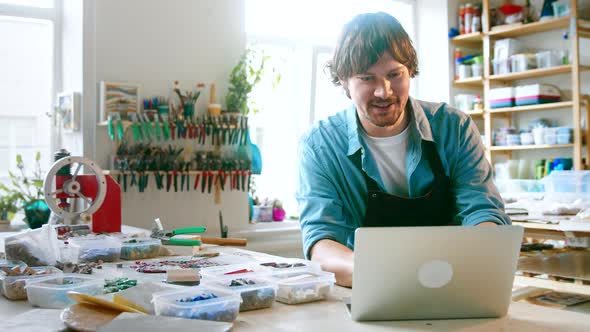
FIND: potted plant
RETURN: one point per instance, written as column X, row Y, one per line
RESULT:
column 248, row 72
column 29, row 191
column 8, row 206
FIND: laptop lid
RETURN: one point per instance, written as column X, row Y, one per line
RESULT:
column 403, row 273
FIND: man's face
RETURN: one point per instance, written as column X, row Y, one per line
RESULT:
column 380, row 95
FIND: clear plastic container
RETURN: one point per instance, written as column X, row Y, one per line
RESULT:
column 550, row 136
column 501, row 66
column 303, row 286
column 257, row 292
column 224, row 307
column 547, row 59
column 95, row 248
column 477, row 70
column 513, row 186
column 564, row 138
column 51, row 292
column 573, row 182
column 9, row 264
column 133, row 249
column 13, row 287
column 523, row 62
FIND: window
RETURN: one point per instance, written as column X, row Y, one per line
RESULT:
column 300, row 37
column 27, row 57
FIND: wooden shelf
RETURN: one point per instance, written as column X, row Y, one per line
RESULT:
column 534, row 73
column 476, row 82
column 528, row 108
column 470, row 40
column 473, row 113
column 529, row 147
column 126, row 123
column 517, row 30
column 552, row 284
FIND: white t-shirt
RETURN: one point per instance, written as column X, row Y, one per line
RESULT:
column 390, row 156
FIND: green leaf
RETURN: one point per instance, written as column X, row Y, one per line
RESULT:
column 19, row 159
column 38, row 156
column 37, row 183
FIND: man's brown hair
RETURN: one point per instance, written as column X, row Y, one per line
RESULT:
column 364, row 39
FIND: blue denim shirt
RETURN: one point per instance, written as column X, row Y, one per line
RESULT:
column 332, row 192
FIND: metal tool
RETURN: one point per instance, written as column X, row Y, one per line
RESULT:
column 100, row 194
column 167, row 236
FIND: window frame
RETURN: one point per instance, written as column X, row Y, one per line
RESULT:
column 54, row 15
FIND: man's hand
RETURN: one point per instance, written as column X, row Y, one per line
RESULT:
column 487, row 223
column 334, row 257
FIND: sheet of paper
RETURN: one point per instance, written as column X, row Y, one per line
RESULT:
column 135, row 322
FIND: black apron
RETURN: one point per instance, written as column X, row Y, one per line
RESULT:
column 435, row 208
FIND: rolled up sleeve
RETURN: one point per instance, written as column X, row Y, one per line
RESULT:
column 476, row 195
column 320, row 209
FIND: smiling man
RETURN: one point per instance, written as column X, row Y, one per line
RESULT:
column 389, row 159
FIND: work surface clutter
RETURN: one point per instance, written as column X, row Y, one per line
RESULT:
column 127, row 273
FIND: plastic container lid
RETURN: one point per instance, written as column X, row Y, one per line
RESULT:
column 9, row 263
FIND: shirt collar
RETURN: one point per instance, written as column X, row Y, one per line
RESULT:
column 418, row 120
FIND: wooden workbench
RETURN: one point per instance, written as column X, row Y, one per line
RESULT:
column 331, row 315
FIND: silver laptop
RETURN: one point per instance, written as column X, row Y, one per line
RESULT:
column 403, row 273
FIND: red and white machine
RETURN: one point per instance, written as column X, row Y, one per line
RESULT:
column 75, row 196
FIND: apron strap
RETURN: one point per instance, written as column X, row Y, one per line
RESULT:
column 434, row 159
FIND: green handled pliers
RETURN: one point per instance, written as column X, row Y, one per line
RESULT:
column 111, row 126
column 167, row 236
column 136, row 127
column 165, row 127
column 147, row 128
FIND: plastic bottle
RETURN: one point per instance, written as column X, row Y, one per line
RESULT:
column 565, row 55
column 476, row 21
column 477, row 104
column 458, row 56
column 461, row 19
column 468, row 17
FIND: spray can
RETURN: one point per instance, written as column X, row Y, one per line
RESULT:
column 468, row 17
column 461, row 19
column 476, row 20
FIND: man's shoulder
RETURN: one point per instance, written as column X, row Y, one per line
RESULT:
column 329, row 130
column 441, row 110
column 442, row 116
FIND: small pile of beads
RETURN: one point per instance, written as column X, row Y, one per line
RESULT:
column 241, row 282
column 203, row 296
column 118, row 284
column 282, row 265
column 163, row 266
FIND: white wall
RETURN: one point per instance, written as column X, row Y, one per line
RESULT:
column 155, row 42
column 433, row 50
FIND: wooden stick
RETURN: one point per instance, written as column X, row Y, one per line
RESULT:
column 212, row 94
column 224, row 241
